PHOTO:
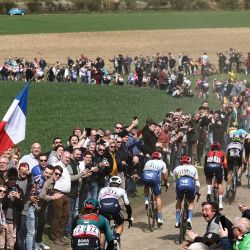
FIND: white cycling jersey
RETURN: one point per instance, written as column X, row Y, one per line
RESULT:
column 156, row 165
column 235, row 149
column 113, row 192
column 186, row 170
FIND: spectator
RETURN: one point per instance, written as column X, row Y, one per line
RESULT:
column 62, row 204
column 211, row 214
column 3, row 225
column 12, row 207
column 48, row 193
column 76, row 179
column 55, row 155
column 32, row 158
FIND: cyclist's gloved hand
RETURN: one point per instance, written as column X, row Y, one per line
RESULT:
column 130, row 222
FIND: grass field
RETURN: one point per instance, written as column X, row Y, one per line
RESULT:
column 55, row 109
column 80, row 22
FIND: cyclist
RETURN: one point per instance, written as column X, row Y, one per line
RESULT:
column 235, row 151
column 215, row 161
column 109, row 203
column 247, row 149
column 186, row 179
column 88, row 226
column 232, row 130
column 151, row 177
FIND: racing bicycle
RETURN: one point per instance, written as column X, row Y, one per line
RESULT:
column 184, row 217
column 151, row 209
column 231, row 192
column 113, row 226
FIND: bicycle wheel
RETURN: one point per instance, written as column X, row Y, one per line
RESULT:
column 183, row 221
column 248, row 175
column 150, row 211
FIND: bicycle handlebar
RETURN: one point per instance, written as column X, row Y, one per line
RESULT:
column 130, row 222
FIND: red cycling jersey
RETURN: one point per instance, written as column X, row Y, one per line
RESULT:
column 216, row 157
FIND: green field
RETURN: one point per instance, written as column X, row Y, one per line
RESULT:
column 55, row 109
column 80, row 22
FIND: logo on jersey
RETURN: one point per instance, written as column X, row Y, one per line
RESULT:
column 214, row 159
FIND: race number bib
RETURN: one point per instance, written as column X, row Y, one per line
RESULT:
column 86, row 230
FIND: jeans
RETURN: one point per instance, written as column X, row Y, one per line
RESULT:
column 41, row 221
column 26, row 231
column 74, row 206
column 30, row 227
column 93, row 190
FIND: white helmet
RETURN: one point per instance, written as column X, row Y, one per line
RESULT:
column 115, row 180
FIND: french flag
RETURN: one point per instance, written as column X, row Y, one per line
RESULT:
column 13, row 125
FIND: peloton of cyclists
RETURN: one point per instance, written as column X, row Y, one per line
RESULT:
column 215, row 161
column 109, row 203
column 88, row 227
column 186, row 179
column 151, row 177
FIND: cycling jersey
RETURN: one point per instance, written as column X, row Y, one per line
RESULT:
column 109, row 204
column 235, row 152
column 214, row 163
column 187, row 180
column 86, row 232
column 151, row 175
column 231, row 131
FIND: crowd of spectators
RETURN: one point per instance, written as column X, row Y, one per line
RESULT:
column 162, row 71
column 76, row 169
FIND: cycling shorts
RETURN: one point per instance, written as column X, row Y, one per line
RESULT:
column 152, row 179
column 185, row 185
column 214, row 169
column 110, row 207
column 232, row 160
column 88, row 243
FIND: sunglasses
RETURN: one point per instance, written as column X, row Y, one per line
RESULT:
column 12, row 179
column 100, row 149
column 112, row 146
column 118, row 127
column 58, row 142
column 118, row 142
column 3, row 191
column 42, row 160
column 58, row 174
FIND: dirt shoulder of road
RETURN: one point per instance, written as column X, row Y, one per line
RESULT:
column 194, row 42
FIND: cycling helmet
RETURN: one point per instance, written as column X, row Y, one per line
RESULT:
column 236, row 138
column 185, row 159
column 115, row 180
column 156, row 155
column 215, row 146
column 91, row 203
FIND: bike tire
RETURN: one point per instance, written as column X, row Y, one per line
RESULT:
column 183, row 222
column 150, row 212
column 248, row 176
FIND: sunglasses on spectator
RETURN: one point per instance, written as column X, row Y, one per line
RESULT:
column 56, row 142
column 112, row 146
column 3, row 191
column 58, row 174
column 101, row 149
column 118, row 141
column 118, row 127
column 42, row 160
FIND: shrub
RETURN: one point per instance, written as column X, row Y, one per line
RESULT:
column 34, row 6
column 6, row 5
